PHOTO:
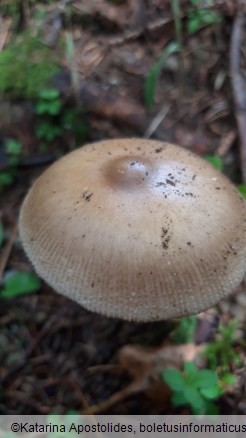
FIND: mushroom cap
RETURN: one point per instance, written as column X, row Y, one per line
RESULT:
column 137, row 229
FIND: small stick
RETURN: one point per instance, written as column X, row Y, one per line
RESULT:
column 155, row 123
column 133, row 388
column 7, row 251
column 238, row 85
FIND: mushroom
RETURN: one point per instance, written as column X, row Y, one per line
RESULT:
column 137, row 229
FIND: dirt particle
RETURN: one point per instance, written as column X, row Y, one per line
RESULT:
column 165, row 238
column 170, row 182
column 87, row 195
column 190, row 194
column 170, row 176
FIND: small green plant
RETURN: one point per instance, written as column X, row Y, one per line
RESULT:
column 195, row 388
column 54, row 119
column 47, row 130
column 49, row 102
column 48, row 106
column 185, row 329
column 12, row 148
column 220, row 353
column 201, row 16
column 19, row 283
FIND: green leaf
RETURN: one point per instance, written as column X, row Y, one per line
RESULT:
column 193, row 397
column 47, row 130
column 210, row 17
column 150, row 82
column 1, row 233
column 18, row 283
column 194, row 23
column 216, row 161
column 206, row 379
column 13, row 147
column 211, row 393
column 242, row 189
column 53, row 108
column 49, row 94
column 41, row 108
column 201, row 17
column 6, row 178
column 190, row 368
column 174, row 379
column 211, row 408
column 228, row 379
column 178, row 399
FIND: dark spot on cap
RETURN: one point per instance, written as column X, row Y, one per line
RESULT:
column 169, row 181
column 87, row 196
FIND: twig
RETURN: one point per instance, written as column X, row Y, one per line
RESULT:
column 133, row 388
column 155, row 123
column 26, row 355
column 238, row 85
column 7, row 251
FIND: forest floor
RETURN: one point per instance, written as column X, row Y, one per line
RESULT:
column 56, row 357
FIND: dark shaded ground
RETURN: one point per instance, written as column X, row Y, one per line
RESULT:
column 54, row 355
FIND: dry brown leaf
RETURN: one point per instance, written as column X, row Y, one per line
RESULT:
column 145, row 366
column 117, row 14
column 142, row 363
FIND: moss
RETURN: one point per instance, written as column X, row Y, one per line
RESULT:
column 26, row 66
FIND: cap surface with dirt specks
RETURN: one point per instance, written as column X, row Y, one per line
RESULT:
column 136, row 229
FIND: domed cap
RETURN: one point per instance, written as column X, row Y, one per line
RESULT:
column 136, row 229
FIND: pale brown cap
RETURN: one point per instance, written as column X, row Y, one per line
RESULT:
column 136, row 229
